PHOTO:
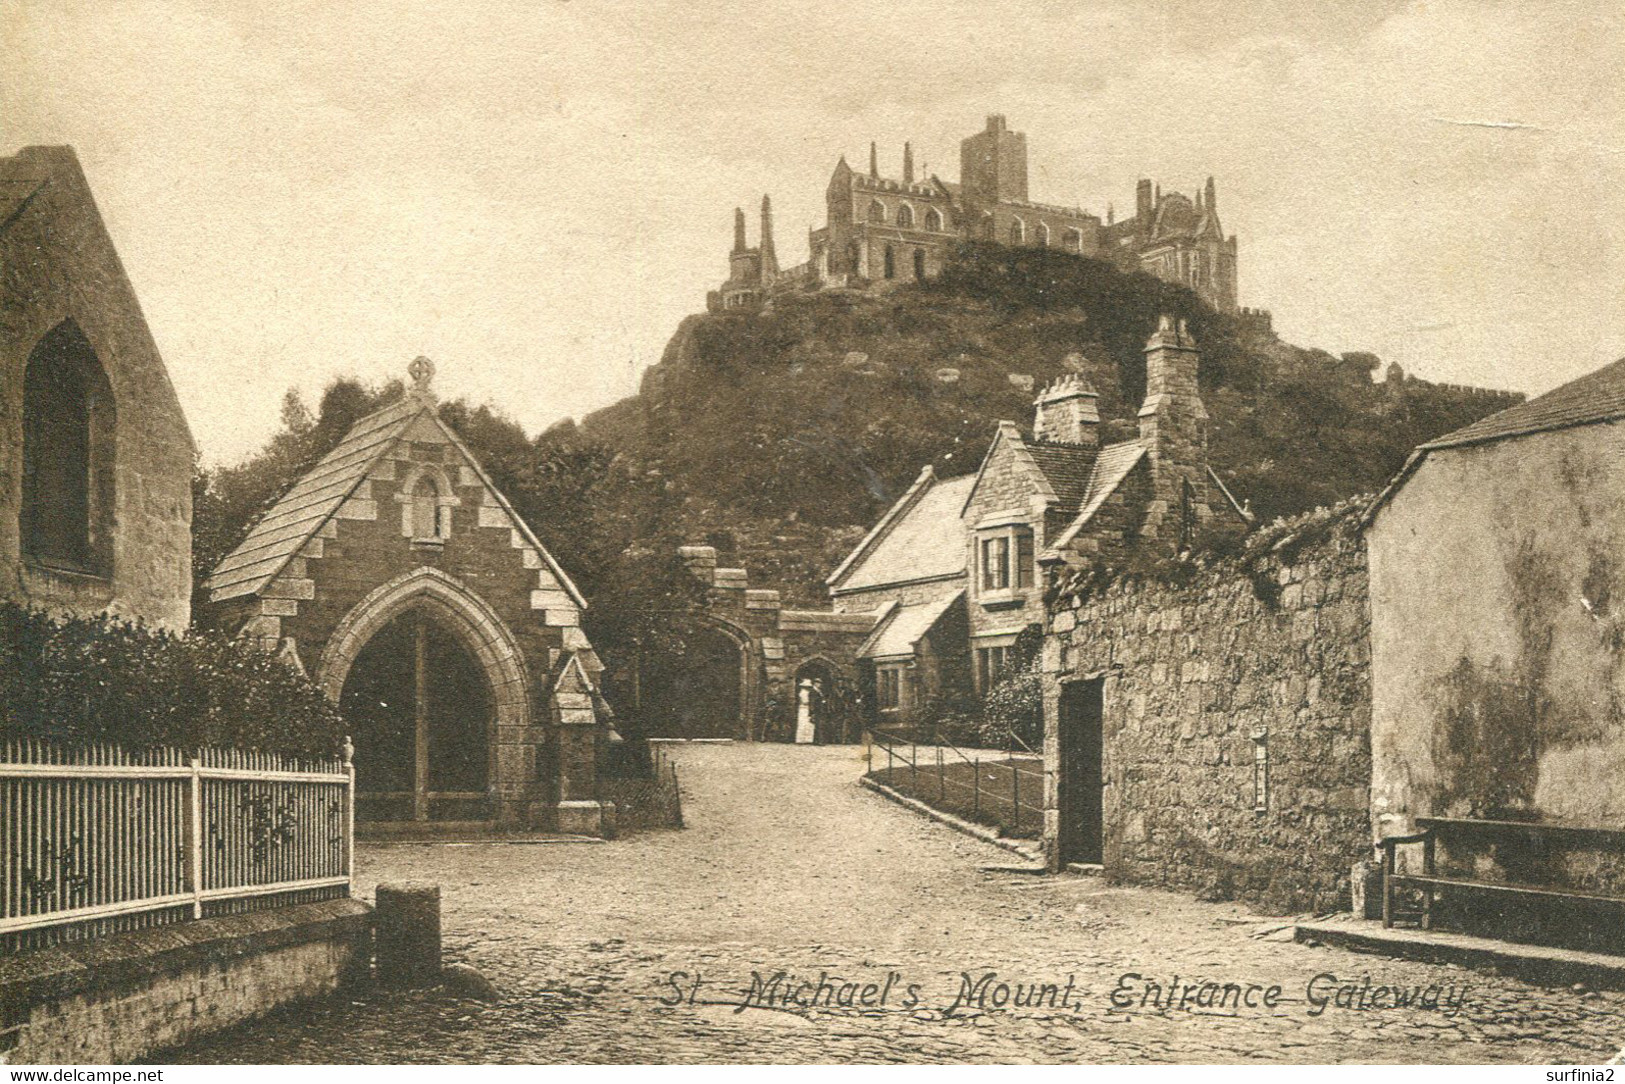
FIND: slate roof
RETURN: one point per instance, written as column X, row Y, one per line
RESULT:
column 1067, row 467
column 311, row 501
column 21, row 175
column 300, row 512
column 904, row 626
column 1595, row 397
column 921, row 537
column 1590, row 400
column 1110, row 467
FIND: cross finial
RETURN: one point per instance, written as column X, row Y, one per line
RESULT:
column 422, row 373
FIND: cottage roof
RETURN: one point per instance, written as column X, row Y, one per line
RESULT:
column 921, row 537
column 1067, row 468
column 903, row 627
column 317, row 496
column 1594, row 398
column 1110, row 467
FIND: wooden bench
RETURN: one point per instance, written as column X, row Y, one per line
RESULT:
column 1541, row 837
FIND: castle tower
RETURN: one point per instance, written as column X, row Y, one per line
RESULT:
column 1173, row 427
column 993, row 164
column 770, row 260
column 1068, row 411
column 1212, row 200
column 739, row 229
column 908, row 163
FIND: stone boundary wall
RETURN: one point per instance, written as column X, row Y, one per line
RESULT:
column 1269, row 649
column 126, row 997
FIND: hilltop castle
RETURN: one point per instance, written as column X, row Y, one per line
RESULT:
column 884, row 229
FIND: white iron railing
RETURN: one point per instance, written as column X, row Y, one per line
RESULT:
column 95, row 838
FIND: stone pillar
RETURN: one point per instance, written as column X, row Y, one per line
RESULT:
column 575, row 735
column 406, row 917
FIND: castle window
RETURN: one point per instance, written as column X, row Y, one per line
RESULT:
column 919, row 263
column 68, row 441
column 891, row 263
column 1072, row 240
column 1018, row 232
column 933, row 221
column 989, row 230
column 854, row 258
column 1041, row 235
column 877, row 212
column 905, row 217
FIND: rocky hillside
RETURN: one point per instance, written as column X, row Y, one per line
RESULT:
column 779, row 436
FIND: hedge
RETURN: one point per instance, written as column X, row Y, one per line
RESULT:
column 102, row 679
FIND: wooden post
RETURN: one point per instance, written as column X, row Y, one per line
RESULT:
column 976, row 788
column 1015, row 792
column 1427, row 890
column 194, row 836
column 942, row 780
column 349, row 812
column 1387, row 888
column 420, row 796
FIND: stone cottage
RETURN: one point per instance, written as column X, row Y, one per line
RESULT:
column 907, row 576
column 1498, row 618
column 956, row 569
column 402, row 581
column 95, row 454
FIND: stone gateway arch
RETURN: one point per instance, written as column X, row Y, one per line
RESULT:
column 399, row 577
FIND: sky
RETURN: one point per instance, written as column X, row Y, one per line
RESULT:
column 534, row 193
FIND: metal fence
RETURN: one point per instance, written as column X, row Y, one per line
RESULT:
column 95, row 839
column 1003, row 788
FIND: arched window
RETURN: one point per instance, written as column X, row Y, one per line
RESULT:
column 1018, row 232
column 877, row 211
column 905, row 217
column 1041, row 235
column 1072, row 240
column 68, row 442
column 854, row 259
column 933, row 221
column 919, row 263
column 891, row 263
column 426, row 499
column 989, row 229
column 426, row 508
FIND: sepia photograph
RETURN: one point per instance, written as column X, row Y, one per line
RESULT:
column 1032, row 532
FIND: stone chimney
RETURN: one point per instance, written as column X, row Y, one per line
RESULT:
column 908, row 163
column 1173, row 427
column 701, row 562
column 1067, row 411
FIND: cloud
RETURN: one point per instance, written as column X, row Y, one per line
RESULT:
column 535, row 193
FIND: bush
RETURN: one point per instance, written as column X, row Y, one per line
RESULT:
column 1014, row 706
column 101, row 679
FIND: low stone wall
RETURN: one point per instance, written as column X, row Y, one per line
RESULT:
column 1268, row 650
column 121, row 998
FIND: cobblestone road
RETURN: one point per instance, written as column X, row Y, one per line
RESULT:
column 787, row 865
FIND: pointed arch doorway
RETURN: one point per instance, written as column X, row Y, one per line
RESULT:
column 422, row 708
